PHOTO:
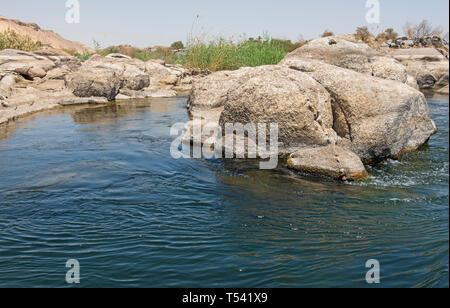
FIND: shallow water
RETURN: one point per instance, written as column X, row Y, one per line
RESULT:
column 98, row 184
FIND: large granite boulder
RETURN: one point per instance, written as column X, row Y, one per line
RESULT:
column 131, row 71
column 102, row 76
column 211, row 91
column 98, row 81
column 338, row 105
column 376, row 118
column 351, row 55
column 299, row 105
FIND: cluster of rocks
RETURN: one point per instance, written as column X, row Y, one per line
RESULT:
column 426, row 65
column 338, row 105
column 424, row 42
column 30, row 82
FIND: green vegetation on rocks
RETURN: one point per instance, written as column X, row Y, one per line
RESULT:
column 224, row 54
column 9, row 39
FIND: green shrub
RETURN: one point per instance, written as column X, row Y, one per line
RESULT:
column 84, row 56
column 9, row 39
column 288, row 45
column 223, row 54
column 177, row 45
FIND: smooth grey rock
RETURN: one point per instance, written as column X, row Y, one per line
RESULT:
column 330, row 161
column 94, row 82
column 100, row 76
column 211, row 91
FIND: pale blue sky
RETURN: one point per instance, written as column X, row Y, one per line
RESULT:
column 150, row 22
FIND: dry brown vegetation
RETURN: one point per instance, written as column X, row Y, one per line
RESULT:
column 421, row 30
column 388, row 34
column 363, row 34
column 327, row 33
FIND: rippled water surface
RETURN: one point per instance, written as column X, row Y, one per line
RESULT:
column 98, row 184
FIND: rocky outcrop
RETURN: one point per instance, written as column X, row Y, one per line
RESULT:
column 355, row 56
column 23, row 63
column 23, row 67
column 336, row 107
column 374, row 117
column 131, row 78
column 434, row 42
column 38, row 95
column 330, row 161
column 94, row 82
column 427, row 65
column 103, row 76
column 31, row 82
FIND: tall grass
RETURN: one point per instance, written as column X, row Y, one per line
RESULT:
column 224, row 54
column 9, row 39
column 215, row 55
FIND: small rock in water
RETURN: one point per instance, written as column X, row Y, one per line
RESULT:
column 322, row 161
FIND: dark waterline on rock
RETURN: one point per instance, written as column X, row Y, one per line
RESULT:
column 98, row 184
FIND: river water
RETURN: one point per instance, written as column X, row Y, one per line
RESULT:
column 98, row 184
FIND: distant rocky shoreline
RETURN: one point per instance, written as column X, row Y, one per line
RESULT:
column 32, row 82
column 339, row 103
